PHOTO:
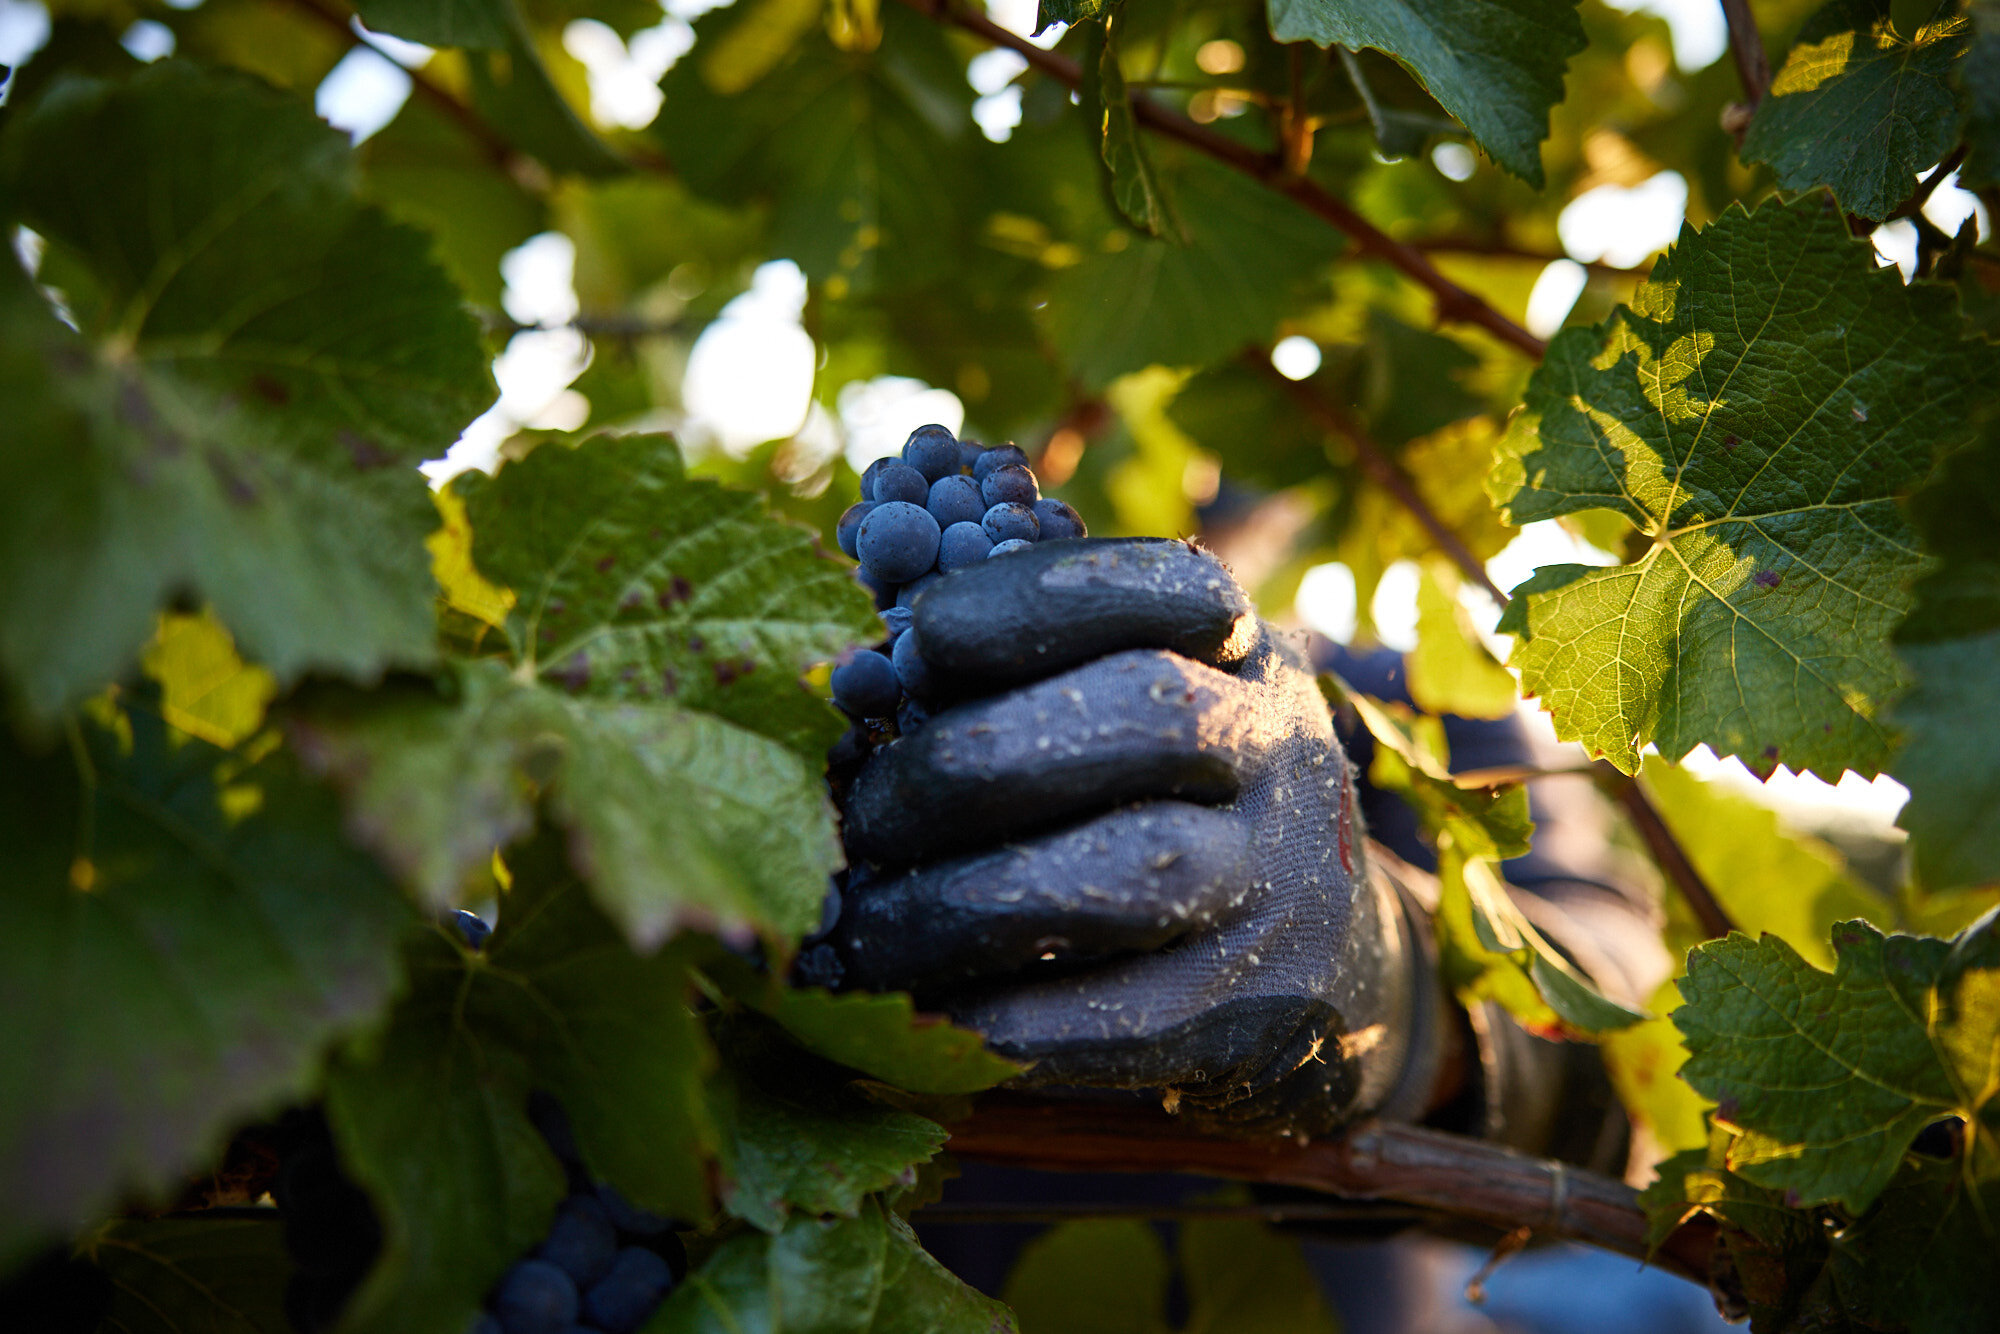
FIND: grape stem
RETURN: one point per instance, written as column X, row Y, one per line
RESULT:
column 1454, row 303
column 1442, row 1175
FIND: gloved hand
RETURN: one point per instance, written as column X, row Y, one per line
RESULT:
column 1125, row 848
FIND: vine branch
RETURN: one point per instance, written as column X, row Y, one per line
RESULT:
column 1454, row 302
column 1445, row 1175
column 1384, row 471
column 1747, row 45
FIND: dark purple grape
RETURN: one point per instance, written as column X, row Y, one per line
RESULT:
column 968, row 453
column 883, row 590
column 620, row 1301
column 850, row 524
column 961, row 545
column 955, row 499
column 911, row 716
column 581, row 1242
column 1009, row 521
column 899, row 481
column 897, row 619
column 932, row 451
column 1000, row 456
column 873, row 471
column 898, row 541
column 1058, row 521
column 472, row 928
column 911, row 669
column 535, row 1297
column 907, row 596
column 864, row 684
column 1009, row 547
column 1011, row 484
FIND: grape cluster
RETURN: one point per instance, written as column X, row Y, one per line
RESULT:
column 943, row 505
column 605, row 1264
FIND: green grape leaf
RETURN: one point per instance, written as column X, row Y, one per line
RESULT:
column 798, row 1136
column 1450, row 671
column 1860, row 108
column 1644, row 1063
column 1951, row 644
column 432, row 1116
column 637, row 583
column 1918, row 1261
column 195, row 1275
column 1979, row 82
column 472, row 24
column 1767, row 879
column 674, row 817
column 1498, row 67
column 860, row 1275
column 1827, row 1107
column 1756, row 412
column 1487, row 948
column 1243, row 1274
column 211, row 892
column 1135, row 184
column 1247, row 259
column 1092, row 1276
column 869, row 161
column 1071, row 11
column 260, row 359
column 512, row 90
column 1111, row 1276
column 1410, row 760
column 879, row 1034
column 424, row 170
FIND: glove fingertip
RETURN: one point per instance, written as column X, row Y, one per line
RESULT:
column 1045, row 610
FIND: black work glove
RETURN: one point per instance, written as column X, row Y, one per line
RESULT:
column 1125, row 848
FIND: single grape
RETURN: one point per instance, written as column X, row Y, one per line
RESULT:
column 899, row 481
column 1010, row 521
column 850, row 524
column 911, row 716
column 963, row 544
column 968, row 454
column 864, row 684
column 581, row 1242
column 932, row 451
column 620, row 1301
column 873, row 471
column 628, row 1217
column 911, row 669
column 535, row 1297
column 1012, row 483
column 907, row 596
column 1000, row 456
column 955, row 499
column 1009, row 547
column 897, row 619
column 472, row 928
column 1059, row 521
column 898, row 541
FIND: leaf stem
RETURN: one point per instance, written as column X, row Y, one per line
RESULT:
column 1454, row 302
column 1446, row 1175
